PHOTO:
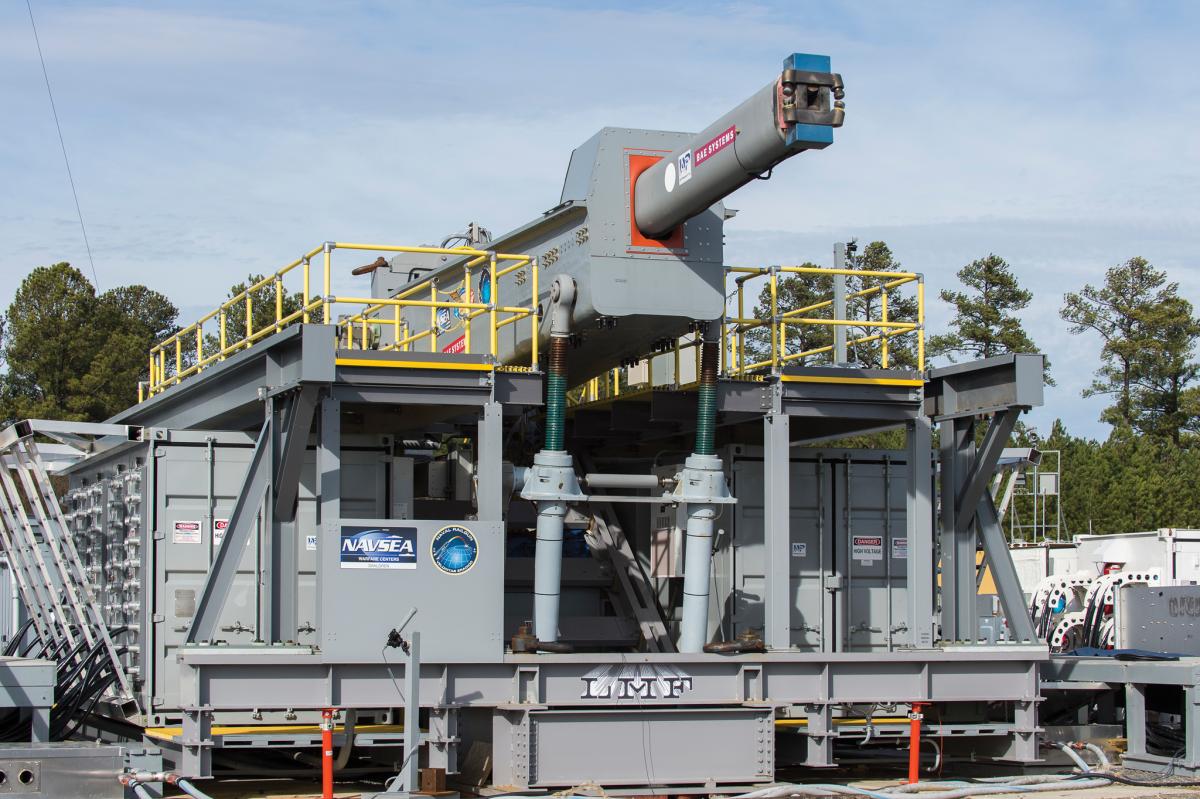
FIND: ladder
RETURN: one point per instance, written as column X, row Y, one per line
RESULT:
column 45, row 563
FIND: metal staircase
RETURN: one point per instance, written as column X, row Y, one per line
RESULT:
column 36, row 539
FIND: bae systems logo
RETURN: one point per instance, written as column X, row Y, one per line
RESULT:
column 637, row 682
column 378, row 548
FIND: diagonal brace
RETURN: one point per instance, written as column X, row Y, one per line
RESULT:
column 242, row 522
column 976, row 483
column 996, row 555
column 293, row 442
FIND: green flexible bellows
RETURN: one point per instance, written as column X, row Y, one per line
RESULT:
column 706, row 408
column 556, row 393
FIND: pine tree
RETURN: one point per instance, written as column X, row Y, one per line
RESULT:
column 792, row 292
column 902, row 307
column 73, row 354
column 984, row 323
column 1149, row 335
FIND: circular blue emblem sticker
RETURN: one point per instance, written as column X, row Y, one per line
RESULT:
column 454, row 549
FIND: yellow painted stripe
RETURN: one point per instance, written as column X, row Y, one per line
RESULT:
column 168, row 733
column 880, row 722
column 857, row 381
column 459, row 367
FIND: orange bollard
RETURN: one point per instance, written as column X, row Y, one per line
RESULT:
column 914, row 743
column 327, row 754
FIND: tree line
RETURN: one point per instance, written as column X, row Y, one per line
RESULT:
column 71, row 352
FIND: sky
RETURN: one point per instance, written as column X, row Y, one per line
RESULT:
column 212, row 140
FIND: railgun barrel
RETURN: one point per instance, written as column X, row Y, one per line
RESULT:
column 793, row 113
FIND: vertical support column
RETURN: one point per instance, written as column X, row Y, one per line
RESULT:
column 411, row 770
column 442, row 749
column 958, row 548
column 1135, row 719
column 40, row 730
column 839, row 303
column 268, row 529
column 919, row 529
column 820, row 736
column 329, row 486
column 196, row 744
column 490, row 462
column 1191, row 725
column 777, row 530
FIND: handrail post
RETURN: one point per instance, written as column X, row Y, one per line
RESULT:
column 150, row 382
column 278, row 302
column 178, row 358
column 221, row 322
column 677, row 375
column 306, row 269
column 920, row 323
column 741, row 329
column 883, row 339
column 199, row 346
column 839, row 303
column 328, row 290
column 396, row 327
column 467, row 313
column 536, row 307
column 433, row 322
column 249, row 317
column 774, row 319
column 495, row 339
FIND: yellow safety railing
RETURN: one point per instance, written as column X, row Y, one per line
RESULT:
column 773, row 353
column 737, row 323
column 209, row 340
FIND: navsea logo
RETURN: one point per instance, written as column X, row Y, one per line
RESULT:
column 378, row 548
column 454, row 549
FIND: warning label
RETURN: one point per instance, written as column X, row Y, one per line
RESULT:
column 458, row 345
column 716, row 145
column 220, row 526
column 186, row 533
column 867, row 548
column 900, row 548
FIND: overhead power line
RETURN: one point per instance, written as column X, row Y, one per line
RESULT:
column 63, row 144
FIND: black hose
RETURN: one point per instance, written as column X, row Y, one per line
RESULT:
column 95, row 700
column 15, row 643
column 1141, row 783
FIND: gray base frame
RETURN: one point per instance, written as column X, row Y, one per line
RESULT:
column 1133, row 678
column 545, row 717
column 538, row 701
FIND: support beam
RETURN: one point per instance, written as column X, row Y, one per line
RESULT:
column 490, row 463
column 293, row 442
column 919, row 526
column 242, row 523
column 329, row 488
column 1003, row 572
column 778, row 601
column 957, row 540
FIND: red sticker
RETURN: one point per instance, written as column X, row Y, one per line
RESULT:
column 715, row 146
column 458, row 345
